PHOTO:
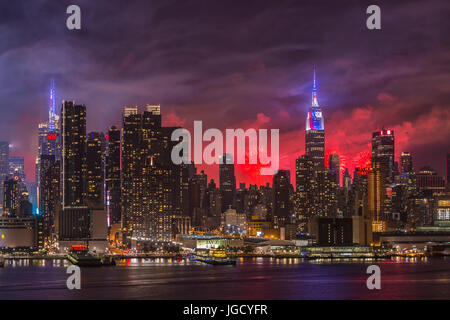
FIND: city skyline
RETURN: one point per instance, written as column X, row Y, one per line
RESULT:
column 208, row 150
column 249, row 83
column 243, row 169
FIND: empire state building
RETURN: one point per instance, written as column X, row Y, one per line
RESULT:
column 315, row 131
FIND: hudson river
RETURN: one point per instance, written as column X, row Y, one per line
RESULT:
column 252, row 278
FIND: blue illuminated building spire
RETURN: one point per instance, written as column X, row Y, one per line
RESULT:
column 314, row 120
column 52, row 108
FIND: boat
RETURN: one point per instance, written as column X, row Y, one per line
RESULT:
column 108, row 261
column 213, row 256
column 79, row 255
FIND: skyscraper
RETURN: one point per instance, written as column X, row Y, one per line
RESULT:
column 227, row 180
column 17, row 167
column 305, row 186
column 377, row 196
column 49, row 198
column 95, row 169
column 4, row 168
column 150, row 182
column 73, row 125
column 132, row 184
column 334, row 167
column 315, row 131
column 49, row 134
column 112, row 176
column 82, row 217
column 281, row 192
column 383, row 152
column 406, row 162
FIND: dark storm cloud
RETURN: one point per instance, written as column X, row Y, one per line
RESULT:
column 225, row 62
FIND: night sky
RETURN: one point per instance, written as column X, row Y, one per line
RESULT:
column 235, row 64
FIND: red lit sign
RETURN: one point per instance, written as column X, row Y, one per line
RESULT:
column 51, row 136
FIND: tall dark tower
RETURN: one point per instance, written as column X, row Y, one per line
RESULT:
column 73, row 125
column 112, row 176
column 315, row 131
column 227, row 180
column 95, row 169
column 281, row 197
column 406, row 162
column 383, row 152
column 333, row 164
column 4, row 156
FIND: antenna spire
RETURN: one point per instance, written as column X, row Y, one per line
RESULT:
column 314, row 91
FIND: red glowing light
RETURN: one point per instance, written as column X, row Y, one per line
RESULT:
column 79, row 247
column 51, row 136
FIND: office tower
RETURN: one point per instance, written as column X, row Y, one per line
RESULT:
column 73, row 127
column 215, row 199
column 315, row 131
column 406, row 162
column 4, row 168
column 377, row 197
column 10, row 197
column 75, row 217
column 95, row 169
column 326, row 197
column 227, row 180
column 50, row 198
column 383, row 152
column 362, row 219
column 305, row 186
column 281, row 192
column 17, row 167
column 112, row 176
column 429, row 183
column 334, row 167
column 82, row 217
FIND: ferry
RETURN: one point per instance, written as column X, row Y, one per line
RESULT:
column 80, row 256
column 213, row 256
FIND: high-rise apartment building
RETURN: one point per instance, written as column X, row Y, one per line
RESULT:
column 4, row 168
column 73, row 127
column 95, row 169
column 113, row 191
